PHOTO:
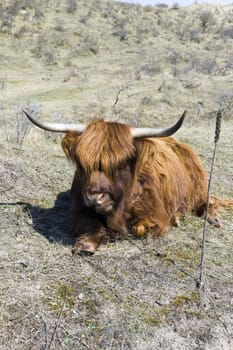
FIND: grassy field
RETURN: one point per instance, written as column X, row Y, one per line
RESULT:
column 72, row 61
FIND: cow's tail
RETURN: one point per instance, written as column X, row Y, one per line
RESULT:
column 222, row 202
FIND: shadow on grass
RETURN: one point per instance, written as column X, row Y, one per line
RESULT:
column 53, row 223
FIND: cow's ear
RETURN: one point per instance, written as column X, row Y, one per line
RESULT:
column 69, row 144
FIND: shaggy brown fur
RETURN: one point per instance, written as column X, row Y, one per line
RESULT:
column 143, row 185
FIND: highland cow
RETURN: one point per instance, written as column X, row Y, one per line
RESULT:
column 130, row 181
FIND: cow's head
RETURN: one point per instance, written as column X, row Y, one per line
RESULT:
column 104, row 154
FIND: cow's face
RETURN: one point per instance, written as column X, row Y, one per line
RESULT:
column 103, row 154
column 105, row 193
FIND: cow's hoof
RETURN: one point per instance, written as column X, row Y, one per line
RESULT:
column 84, row 249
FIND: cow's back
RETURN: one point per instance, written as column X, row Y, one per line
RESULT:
column 172, row 177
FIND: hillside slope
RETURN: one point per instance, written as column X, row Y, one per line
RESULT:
column 74, row 61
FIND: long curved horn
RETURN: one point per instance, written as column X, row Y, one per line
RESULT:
column 150, row 132
column 56, row 127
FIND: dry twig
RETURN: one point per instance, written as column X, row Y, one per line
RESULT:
column 118, row 94
column 58, row 322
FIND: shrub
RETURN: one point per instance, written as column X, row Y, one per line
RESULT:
column 18, row 34
column 53, row 136
column 147, row 101
column 227, row 32
column 209, row 65
column 50, row 56
column 195, row 35
column 174, row 57
column 71, row 6
column 7, row 22
column 59, row 26
column 175, row 6
column 3, row 82
column 91, row 44
column 206, row 18
column 23, row 125
column 162, row 5
column 120, row 32
column 41, row 42
column 150, row 68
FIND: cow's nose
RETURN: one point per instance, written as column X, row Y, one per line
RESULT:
column 95, row 197
column 99, row 198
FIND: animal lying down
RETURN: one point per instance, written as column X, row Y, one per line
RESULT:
column 130, row 180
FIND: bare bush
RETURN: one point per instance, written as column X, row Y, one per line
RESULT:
column 53, row 136
column 7, row 22
column 162, row 5
column 59, row 26
column 174, row 57
column 75, row 72
column 3, row 121
column 227, row 32
column 58, row 40
column 144, row 31
column 38, row 12
column 83, row 19
column 44, row 50
column 23, row 125
column 120, row 32
column 228, row 67
column 225, row 102
column 41, row 42
column 205, row 65
column 175, row 6
column 195, row 35
column 19, row 33
column 206, row 18
column 71, row 6
column 119, row 29
column 209, row 66
column 15, row 6
column 50, row 56
column 91, row 44
column 151, row 68
column 147, row 101
column 3, row 82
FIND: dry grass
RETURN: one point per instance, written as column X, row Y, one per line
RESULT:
column 71, row 65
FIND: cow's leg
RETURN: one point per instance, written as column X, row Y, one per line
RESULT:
column 146, row 226
column 86, row 244
column 213, row 217
column 139, row 229
column 89, row 232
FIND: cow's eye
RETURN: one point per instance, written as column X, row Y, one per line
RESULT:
column 121, row 166
column 142, row 181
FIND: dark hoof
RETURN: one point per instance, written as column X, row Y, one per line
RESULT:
column 82, row 252
column 84, row 249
